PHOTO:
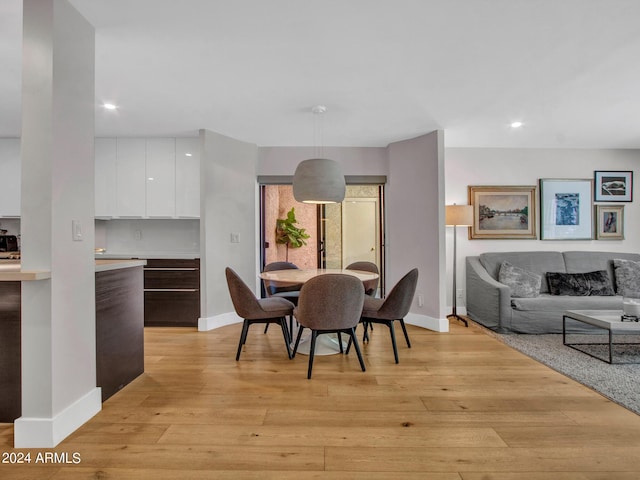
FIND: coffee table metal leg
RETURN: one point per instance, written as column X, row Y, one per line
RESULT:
column 610, row 347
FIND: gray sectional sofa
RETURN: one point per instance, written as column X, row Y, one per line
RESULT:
column 490, row 303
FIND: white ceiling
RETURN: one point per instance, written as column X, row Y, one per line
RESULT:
column 387, row 70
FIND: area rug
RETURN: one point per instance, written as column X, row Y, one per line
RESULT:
column 619, row 382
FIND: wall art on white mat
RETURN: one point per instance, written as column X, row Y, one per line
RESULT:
column 613, row 186
column 566, row 211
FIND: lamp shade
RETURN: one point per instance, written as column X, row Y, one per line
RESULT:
column 319, row 180
column 460, row 215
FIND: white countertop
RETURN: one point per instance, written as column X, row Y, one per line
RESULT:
column 146, row 256
column 10, row 270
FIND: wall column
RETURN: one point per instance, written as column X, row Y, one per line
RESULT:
column 415, row 224
column 58, row 315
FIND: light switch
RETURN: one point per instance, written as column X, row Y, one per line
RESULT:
column 76, row 231
column 235, row 238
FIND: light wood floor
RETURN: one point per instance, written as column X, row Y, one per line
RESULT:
column 458, row 406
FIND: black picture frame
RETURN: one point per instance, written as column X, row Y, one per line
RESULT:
column 613, row 186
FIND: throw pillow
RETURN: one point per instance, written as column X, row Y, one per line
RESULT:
column 627, row 273
column 580, row 284
column 523, row 284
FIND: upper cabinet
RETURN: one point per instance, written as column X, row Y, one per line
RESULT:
column 10, row 167
column 131, row 177
column 161, row 177
column 188, row 177
column 147, row 178
column 105, row 187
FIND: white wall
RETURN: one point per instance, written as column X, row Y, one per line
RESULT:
column 145, row 237
column 58, row 315
column 484, row 166
column 228, row 187
column 354, row 160
column 415, row 232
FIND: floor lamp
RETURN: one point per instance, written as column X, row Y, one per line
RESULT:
column 457, row 216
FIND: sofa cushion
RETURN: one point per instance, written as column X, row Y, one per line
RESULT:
column 523, row 284
column 580, row 284
column 586, row 261
column 560, row 303
column 627, row 273
column 535, row 262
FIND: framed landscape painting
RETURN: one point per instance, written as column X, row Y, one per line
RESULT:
column 613, row 186
column 566, row 211
column 503, row 212
column 610, row 222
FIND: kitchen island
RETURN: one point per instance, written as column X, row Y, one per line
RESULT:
column 119, row 328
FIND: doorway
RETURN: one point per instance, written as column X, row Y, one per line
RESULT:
column 339, row 234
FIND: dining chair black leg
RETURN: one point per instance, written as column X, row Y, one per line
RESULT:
column 312, row 351
column 285, row 333
column 365, row 335
column 295, row 347
column 392, row 331
column 266, row 327
column 353, row 339
column 243, row 338
column 406, row 335
column 340, row 342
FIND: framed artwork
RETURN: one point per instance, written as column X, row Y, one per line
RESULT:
column 610, row 222
column 566, row 211
column 613, row 186
column 503, row 212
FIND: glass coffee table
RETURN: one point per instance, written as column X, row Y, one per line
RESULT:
column 608, row 320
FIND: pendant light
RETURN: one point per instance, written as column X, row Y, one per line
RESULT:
column 319, row 180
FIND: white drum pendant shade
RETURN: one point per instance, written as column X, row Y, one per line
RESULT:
column 319, row 180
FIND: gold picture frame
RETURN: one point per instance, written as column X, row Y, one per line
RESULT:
column 503, row 212
column 610, row 222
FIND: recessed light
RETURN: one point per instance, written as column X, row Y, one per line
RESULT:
column 109, row 106
column 516, row 124
column 188, row 155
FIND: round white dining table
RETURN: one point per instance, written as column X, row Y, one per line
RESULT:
column 325, row 344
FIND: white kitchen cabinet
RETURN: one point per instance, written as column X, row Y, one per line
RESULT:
column 10, row 167
column 161, row 177
column 106, row 177
column 131, row 179
column 188, row 177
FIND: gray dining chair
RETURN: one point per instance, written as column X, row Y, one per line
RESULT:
column 257, row 310
column 394, row 307
column 370, row 286
column 289, row 292
column 330, row 303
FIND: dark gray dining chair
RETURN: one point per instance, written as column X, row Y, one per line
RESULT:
column 289, row 292
column 330, row 303
column 394, row 307
column 257, row 310
column 370, row 286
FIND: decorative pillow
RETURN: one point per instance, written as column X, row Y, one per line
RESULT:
column 523, row 284
column 627, row 274
column 580, row 284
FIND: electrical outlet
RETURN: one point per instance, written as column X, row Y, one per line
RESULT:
column 138, row 234
column 420, row 300
column 460, row 295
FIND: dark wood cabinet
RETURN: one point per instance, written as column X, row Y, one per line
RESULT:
column 172, row 292
column 10, row 348
column 119, row 329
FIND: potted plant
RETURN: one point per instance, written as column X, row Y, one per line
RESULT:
column 288, row 234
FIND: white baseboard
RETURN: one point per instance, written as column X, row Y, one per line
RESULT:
column 430, row 323
column 222, row 320
column 37, row 432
